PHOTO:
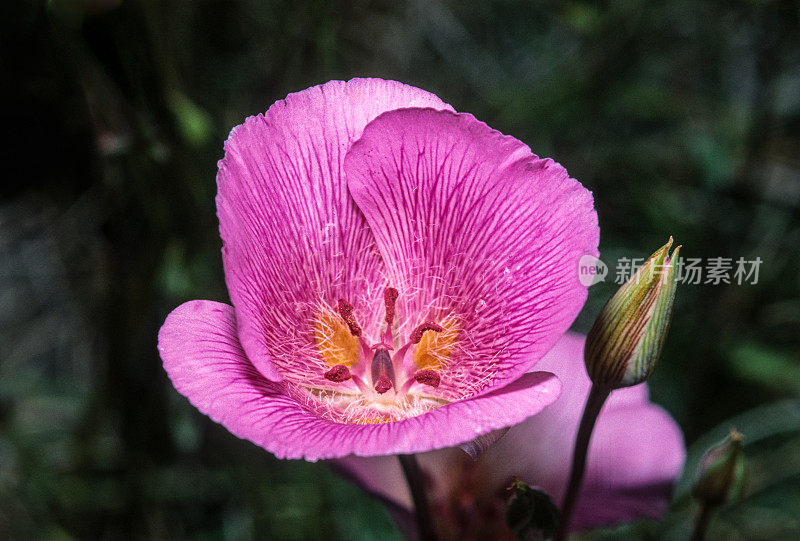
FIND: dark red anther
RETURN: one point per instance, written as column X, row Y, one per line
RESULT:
column 428, row 377
column 338, row 374
column 390, row 298
column 416, row 334
column 383, row 384
column 346, row 311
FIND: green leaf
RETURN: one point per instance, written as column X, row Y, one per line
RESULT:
column 766, row 366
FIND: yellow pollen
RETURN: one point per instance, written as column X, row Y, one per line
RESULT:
column 372, row 420
column 435, row 348
column 334, row 341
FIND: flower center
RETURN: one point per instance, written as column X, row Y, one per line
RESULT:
column 375, row 383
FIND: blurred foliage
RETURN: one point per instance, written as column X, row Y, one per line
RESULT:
column 683, row 118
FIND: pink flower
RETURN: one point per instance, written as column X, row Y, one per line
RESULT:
column 395, row 270
column 636, row 453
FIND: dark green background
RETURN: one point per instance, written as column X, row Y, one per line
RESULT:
column 682, row 117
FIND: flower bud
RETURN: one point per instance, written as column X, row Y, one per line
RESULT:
column 626, row 340
column 721, row 470
column 531, row 512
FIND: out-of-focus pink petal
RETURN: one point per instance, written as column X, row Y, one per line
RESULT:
column 292, row 235
column 636, row 448
column 548, row 439
column 206, row 363
column 636, row 453
column 640, row 453
column 472, row 225
column 381, row 476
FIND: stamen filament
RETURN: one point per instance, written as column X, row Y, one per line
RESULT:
column 399, row 359
column 362, row 387
column 403, row 391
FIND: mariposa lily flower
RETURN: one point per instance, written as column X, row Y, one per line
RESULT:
column 395, row 270
column 637, row 451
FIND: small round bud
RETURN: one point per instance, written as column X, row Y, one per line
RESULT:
column 721, row 470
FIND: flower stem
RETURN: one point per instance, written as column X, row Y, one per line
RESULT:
column 594, row 403
column 703, row 520
column 422, row 511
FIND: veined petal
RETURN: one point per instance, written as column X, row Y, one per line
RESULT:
column 293, row 239
column 207, row 364
column 477, row 231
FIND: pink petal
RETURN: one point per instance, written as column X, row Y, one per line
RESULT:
column 206, row 363
column 471, row 224
column 637, row 452
column 292, row 235
column 642, row 453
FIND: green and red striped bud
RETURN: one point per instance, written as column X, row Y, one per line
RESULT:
column 626, row 340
